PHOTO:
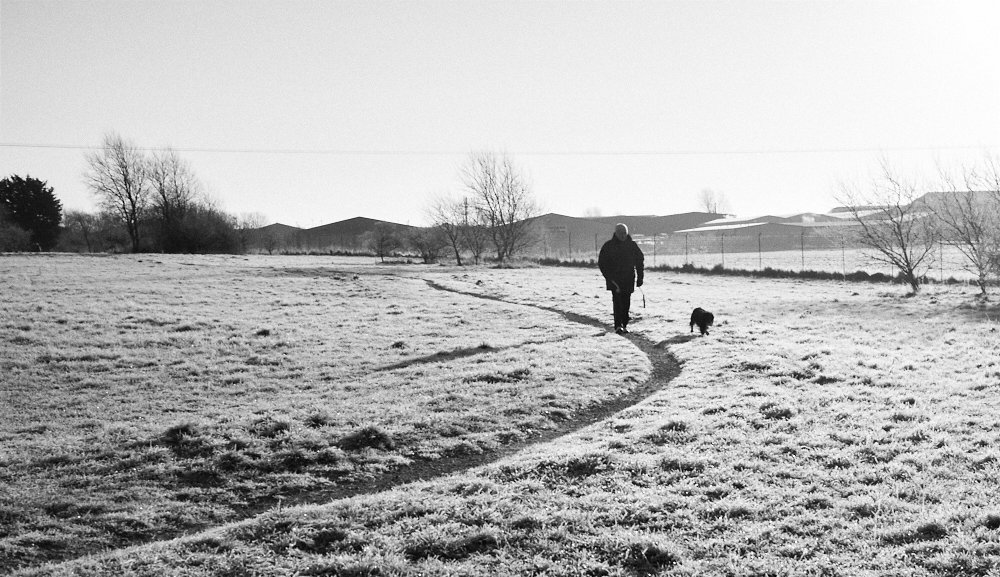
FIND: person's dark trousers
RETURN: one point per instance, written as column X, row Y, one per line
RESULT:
column 622, row 301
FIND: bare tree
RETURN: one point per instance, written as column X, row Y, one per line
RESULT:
column 713, row 202
column 898, row 230
column 383, row 240
column 476, row 236
column 450, row 215
column 84, row 224
column 504, row 201
column 175, row 188
column 118, row 176
column 428, row 242
column 968, row 211
column 269, row 241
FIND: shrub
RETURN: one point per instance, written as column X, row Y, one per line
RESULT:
column 13, row 238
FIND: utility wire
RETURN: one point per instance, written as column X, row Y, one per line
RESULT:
column 362, row 152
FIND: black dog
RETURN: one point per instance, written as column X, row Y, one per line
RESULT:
column 703, row 319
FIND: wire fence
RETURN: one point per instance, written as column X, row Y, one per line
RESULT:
column 805, row 252
column 946, row 262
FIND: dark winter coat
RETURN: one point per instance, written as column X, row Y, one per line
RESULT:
column 620, row 262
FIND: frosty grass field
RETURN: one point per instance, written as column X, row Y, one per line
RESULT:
column 210, row 415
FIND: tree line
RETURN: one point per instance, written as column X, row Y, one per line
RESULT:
column 148, row 202
column 157, row 201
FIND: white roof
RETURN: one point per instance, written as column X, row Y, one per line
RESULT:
column 723, row 227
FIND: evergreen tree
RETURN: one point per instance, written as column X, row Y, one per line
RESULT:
column 30, row 205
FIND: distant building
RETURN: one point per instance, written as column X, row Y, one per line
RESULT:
column 804, row 231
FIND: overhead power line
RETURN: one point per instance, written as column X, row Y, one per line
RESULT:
column 388, row 152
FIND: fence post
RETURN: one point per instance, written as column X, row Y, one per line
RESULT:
column 760, row 256
column 802, row 245
column 723, row 250
column 685, row 248
column 654, row 249
column 843, row 259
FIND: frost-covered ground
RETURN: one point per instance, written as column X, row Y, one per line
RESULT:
column 821, row 428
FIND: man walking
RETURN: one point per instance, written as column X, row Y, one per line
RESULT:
column 620, row 262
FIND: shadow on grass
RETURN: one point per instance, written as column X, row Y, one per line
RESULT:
column 462, row 353
column 676, row 340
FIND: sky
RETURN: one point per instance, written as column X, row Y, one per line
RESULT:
column 311, row 112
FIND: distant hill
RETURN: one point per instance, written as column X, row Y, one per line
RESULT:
column 345, row 233
column 278, row 228
column 342, row 235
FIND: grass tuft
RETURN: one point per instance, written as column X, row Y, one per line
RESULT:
column 992, row 521
column 932, row 531
column 187, row 440
column 483, row 542
column 318, row 419
column 754, row 367
column 178, row 433
column 640, row 556
column 269, row 427
column 588, row 465
column 776, row 411
column 323, row 542
column 676, row 465
column 337, row 569
column 514, row 376
column 367, row 438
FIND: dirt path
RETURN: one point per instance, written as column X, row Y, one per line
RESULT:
column 665, row 368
